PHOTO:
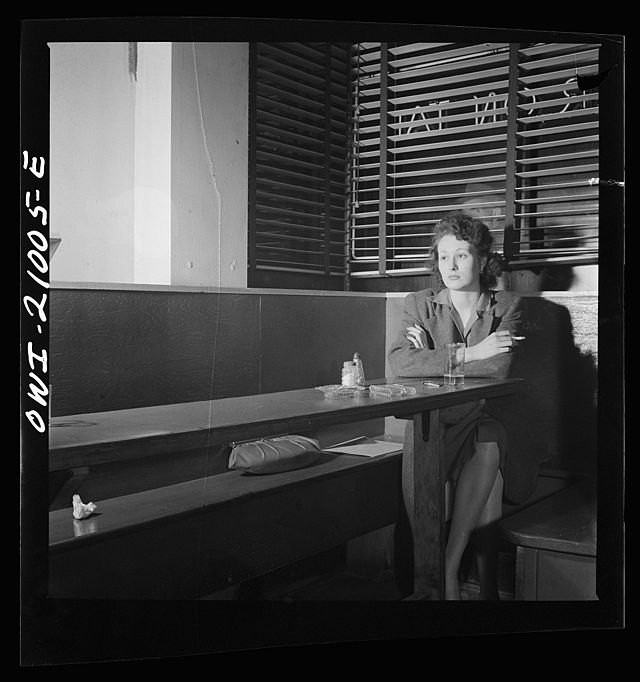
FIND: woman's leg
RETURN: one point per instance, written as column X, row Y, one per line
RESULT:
column 487, row 541
column 475, row 484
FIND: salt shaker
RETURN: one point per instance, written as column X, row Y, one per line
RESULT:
column 348, row 373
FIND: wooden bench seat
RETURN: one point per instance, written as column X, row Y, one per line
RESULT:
column 556, row 541
column 190, row 539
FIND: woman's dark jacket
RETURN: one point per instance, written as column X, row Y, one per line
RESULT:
column 496, row 310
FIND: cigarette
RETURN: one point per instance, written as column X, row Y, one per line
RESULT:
column 518, row 338
column 431, row 383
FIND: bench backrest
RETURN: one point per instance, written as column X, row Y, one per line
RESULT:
column 116, row 349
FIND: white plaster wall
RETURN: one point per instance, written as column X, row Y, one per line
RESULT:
column 152, row 172
column 91, row 178
column 210, row 164
column 149, row 176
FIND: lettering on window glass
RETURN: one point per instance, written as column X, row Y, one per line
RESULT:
column 486, row 109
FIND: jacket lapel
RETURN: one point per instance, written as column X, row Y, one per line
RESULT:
column 440, row 326
column 483, row 325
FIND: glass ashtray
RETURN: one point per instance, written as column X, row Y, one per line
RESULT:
column 337, row 391
column 391, row 390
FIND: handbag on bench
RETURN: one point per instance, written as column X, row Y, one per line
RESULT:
column 274, row 455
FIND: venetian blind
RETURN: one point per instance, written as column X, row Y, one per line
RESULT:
column 438, row 127
column 556, row 212
column 298, row 157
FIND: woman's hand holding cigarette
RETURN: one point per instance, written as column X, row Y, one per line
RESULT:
column 494, row 344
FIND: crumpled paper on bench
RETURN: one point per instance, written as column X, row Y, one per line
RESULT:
column 81, row 510
column 85, row 526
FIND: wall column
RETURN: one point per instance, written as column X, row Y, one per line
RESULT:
column 152, row 165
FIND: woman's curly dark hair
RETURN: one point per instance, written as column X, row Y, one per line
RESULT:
column 469, row 229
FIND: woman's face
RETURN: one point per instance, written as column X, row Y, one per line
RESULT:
column 459, row 264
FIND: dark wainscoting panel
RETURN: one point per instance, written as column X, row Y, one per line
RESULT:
column 305, row 339
column 113, row 350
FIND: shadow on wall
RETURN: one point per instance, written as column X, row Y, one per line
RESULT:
column 562, row 380
column 558, row 278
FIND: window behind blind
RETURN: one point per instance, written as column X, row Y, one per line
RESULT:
column 556, row 212
column 298, row 151
column 498, row 131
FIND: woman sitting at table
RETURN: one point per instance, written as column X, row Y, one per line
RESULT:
column 487, row 455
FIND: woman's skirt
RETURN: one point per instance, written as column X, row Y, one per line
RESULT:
column 463, row 427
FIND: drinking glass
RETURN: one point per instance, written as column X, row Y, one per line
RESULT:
column 454, row 364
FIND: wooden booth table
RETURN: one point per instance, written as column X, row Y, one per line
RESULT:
column 188, row 539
